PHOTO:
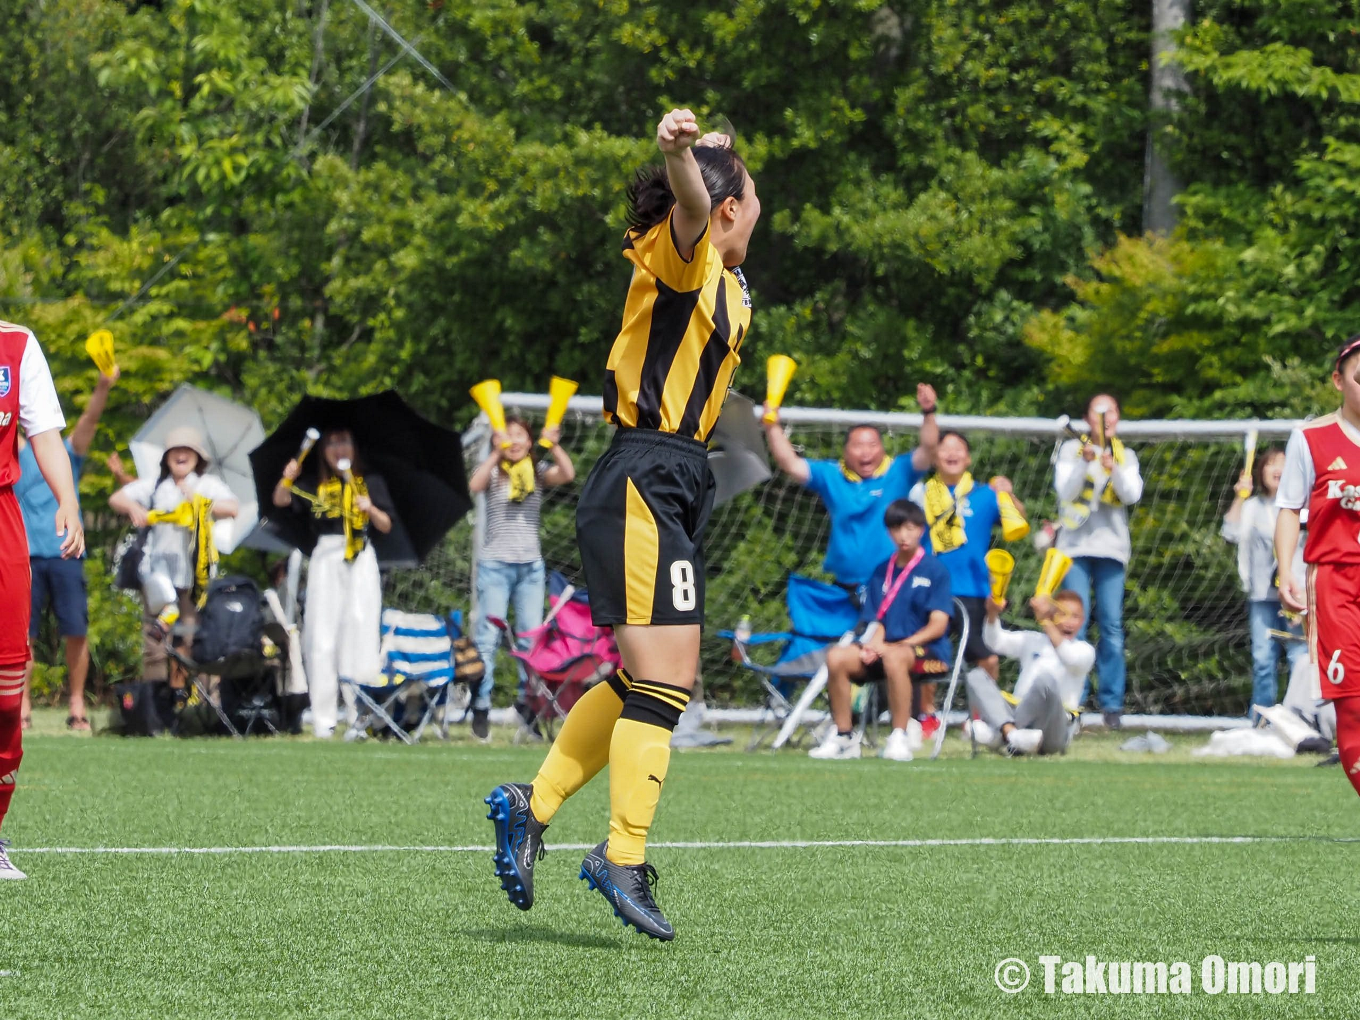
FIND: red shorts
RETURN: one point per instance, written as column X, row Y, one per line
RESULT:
column 16, row 582
column 1334, row 627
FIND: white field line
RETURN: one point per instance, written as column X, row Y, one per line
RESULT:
column 772, row 844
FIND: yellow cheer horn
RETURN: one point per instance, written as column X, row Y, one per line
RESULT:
column 1056, row 565
column 487, row 393
column 1001, row 565
column 99, row 346
column 1013, row 524
column 779, row 370
column 560, row 391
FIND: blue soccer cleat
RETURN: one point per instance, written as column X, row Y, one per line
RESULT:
column 519, row 841
column 628, row 888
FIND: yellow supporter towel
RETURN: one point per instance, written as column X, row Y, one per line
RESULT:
column 946, row 526
column 1076, row 513
column 521, row 478
column 879, row 471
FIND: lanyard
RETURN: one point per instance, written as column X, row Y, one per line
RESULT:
column 890, row 593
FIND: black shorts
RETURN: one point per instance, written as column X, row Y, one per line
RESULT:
column 640, row 528
column 976, row 649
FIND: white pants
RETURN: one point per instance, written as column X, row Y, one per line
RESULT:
column 341, row 630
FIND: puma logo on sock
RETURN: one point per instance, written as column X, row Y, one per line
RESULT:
column 655, row 780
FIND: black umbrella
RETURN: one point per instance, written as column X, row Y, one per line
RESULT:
column 421, row 462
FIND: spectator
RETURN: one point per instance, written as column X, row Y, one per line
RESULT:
column 169, row 557
column 960, row 519
column 856, row 489
column 908, row 597
column 510, row 567
column 1096, row 482
column 343, row 504
column 1249, row 524
column 1054, row 664
column 59, row 582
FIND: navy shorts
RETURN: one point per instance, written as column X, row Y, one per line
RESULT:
column 61, row 584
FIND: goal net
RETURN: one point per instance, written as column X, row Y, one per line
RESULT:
column 1186, row 636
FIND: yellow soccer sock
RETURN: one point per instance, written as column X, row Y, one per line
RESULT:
column 639, row 754
column 582, row 745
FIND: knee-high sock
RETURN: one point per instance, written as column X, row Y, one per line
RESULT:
column 11, row 732
column 639, row 755
column 1348, row 738
column 581, row 749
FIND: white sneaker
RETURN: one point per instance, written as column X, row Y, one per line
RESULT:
column 7, row 868
column 1025, row 741
column 837, row 748
column 915, row 737
column 898, row 745
column 982, row 733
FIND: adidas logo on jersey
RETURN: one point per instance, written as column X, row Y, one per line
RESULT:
column 1337, row 465
column 1337, row 489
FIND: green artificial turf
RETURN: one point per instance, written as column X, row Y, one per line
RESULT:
column 858, row 931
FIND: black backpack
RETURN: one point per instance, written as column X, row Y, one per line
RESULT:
column 230, row 627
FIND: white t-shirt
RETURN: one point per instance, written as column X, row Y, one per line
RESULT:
column 1069, row 663
column 169, row 548
column 39, row 408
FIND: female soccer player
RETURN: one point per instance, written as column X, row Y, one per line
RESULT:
column 342, row 628
column 28, row 399
column 1322, row 473
column 640, row 520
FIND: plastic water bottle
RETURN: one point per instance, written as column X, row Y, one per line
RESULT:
column 741, row 636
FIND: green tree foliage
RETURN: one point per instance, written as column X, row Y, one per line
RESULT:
column 952, row 192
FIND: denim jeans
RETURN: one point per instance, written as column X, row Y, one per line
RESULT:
column 500, row 585
column 1266, row 649
column 1107, row 578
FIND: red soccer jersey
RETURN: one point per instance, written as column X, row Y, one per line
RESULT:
column 13, row 342
column 1334, row 503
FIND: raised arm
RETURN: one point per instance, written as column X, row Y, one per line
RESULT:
column 1069, row 474
column 481, row 478
column 562, row 470
column 677, row 132
column 781, row 450
column 1127, row 479
column 923, row 457
column 83, row 434
column 50, row 453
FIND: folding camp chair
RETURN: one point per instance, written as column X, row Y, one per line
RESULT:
column 560, row 658
column 928, row 671
column 416, row 680
column 819, row 615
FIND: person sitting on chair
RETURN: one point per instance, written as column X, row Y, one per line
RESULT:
column 1041, row 717
column 907, row 606
column 961, row 518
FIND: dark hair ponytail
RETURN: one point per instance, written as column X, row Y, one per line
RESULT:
column 650, row 197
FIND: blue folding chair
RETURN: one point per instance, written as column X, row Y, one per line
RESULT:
column 820, row 615
column 417, row 677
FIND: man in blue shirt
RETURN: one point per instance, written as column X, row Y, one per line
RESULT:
column 960, row 519
column 856, row 489
column 906, row 611
column 59, row 582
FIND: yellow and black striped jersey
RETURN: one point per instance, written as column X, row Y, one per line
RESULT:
column 683, row 325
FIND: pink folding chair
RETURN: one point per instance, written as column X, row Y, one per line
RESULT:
column 566, row 654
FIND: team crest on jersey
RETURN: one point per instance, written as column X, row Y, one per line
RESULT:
column 4, row 380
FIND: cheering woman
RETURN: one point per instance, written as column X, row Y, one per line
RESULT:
column 640, row 520
column 341, row 629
